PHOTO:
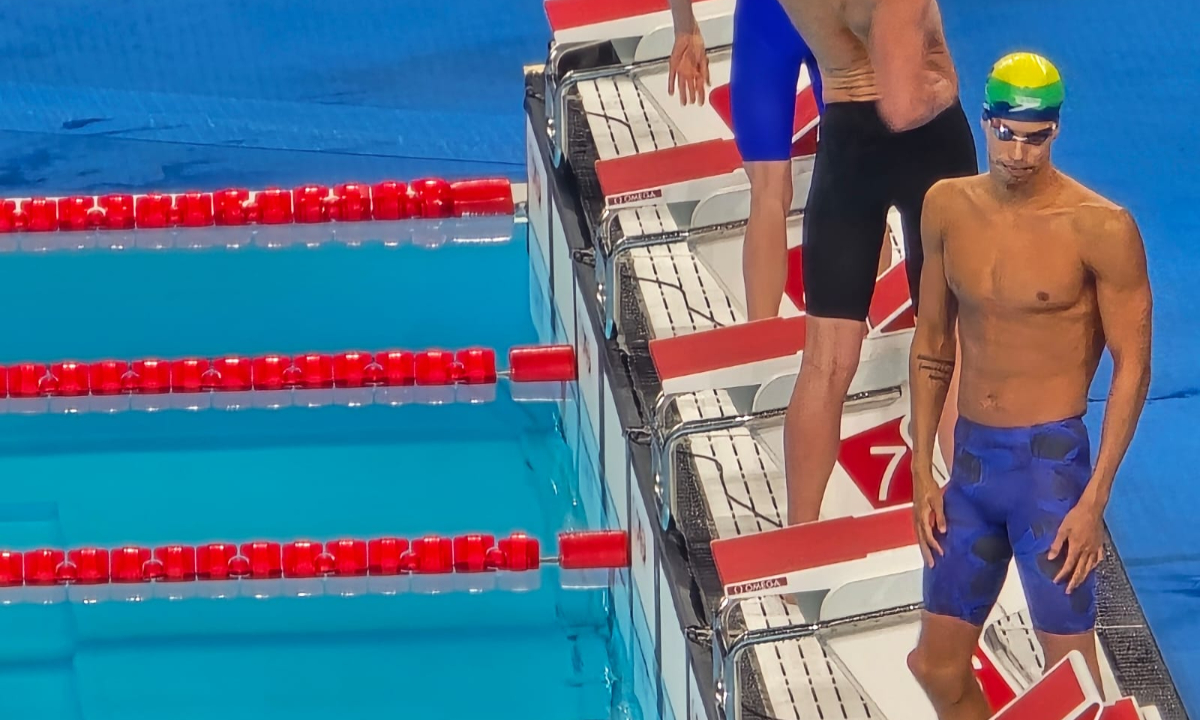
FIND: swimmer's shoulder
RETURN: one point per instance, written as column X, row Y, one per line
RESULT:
column 1073, row 196
column 1104, row 228
column 1094, row 214
column 950, row 194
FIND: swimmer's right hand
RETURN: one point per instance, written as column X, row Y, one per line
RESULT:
column 928, row 514
column 688, row 63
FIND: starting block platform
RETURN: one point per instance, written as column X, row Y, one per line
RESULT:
column 638, row 209
column 856, row 584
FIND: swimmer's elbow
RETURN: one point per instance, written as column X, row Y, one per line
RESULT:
column 900, row 113
column 931, row 338
column 1132, row 360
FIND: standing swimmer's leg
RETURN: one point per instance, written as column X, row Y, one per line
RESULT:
column 844, row 226
column 1059, row 473
column 961, row 587
column 941, row 664
column 764, row 251
column 1057, row 647
column 767, row 55
column 812, row 429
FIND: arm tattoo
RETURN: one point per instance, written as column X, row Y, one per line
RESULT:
column 936, row 369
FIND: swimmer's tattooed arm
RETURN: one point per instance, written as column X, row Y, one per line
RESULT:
column 930, row 367
column 935, row 368
column 932, row 355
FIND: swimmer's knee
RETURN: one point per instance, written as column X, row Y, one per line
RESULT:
column 770, row 183
column 1056, row 647
column 832, row 346
column 945, row 681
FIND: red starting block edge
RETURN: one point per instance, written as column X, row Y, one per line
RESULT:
column 301, row 559
column 354, row 369
column 308, row 204
column 1064, row 692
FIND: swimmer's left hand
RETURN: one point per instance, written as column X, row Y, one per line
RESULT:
column 1080, row 531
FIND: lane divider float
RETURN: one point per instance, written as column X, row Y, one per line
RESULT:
column 268, row 568
column 428, row 211
column 393, row 377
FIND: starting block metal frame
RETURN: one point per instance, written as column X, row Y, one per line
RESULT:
column 610, row 254
column 556, row 93
column 665, row 441
column 727, row 651
column 608, row 284
column 559, row 84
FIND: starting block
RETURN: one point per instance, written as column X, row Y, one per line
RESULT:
column 766, row 353
column 817, row 557
column 692, row 172
column 574, row 22
column 865, row 573
column 865, row 568
column 685, row 162
column 623, row 46
column 664, row 170
column 1065, row 692
column 757, row 365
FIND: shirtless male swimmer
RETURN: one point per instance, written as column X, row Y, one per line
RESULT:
column 1041, row 274
column 893, row 126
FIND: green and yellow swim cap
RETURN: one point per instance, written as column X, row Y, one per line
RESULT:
column 1024, row 86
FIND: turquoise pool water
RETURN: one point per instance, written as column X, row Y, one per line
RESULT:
column 293, row 473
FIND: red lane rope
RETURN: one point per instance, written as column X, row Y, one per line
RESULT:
column 307, row 204
column 472, row 366
column 351, row 557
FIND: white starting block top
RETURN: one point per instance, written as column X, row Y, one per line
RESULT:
column 653, row 151
column 582, row 21
column 702, row 167
column 751, row 354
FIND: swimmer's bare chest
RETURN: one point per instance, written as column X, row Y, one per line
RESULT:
column 1028, row 318
column 1010, row 263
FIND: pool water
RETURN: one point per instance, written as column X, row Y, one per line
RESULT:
column 98, row 303
column 434, row 650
